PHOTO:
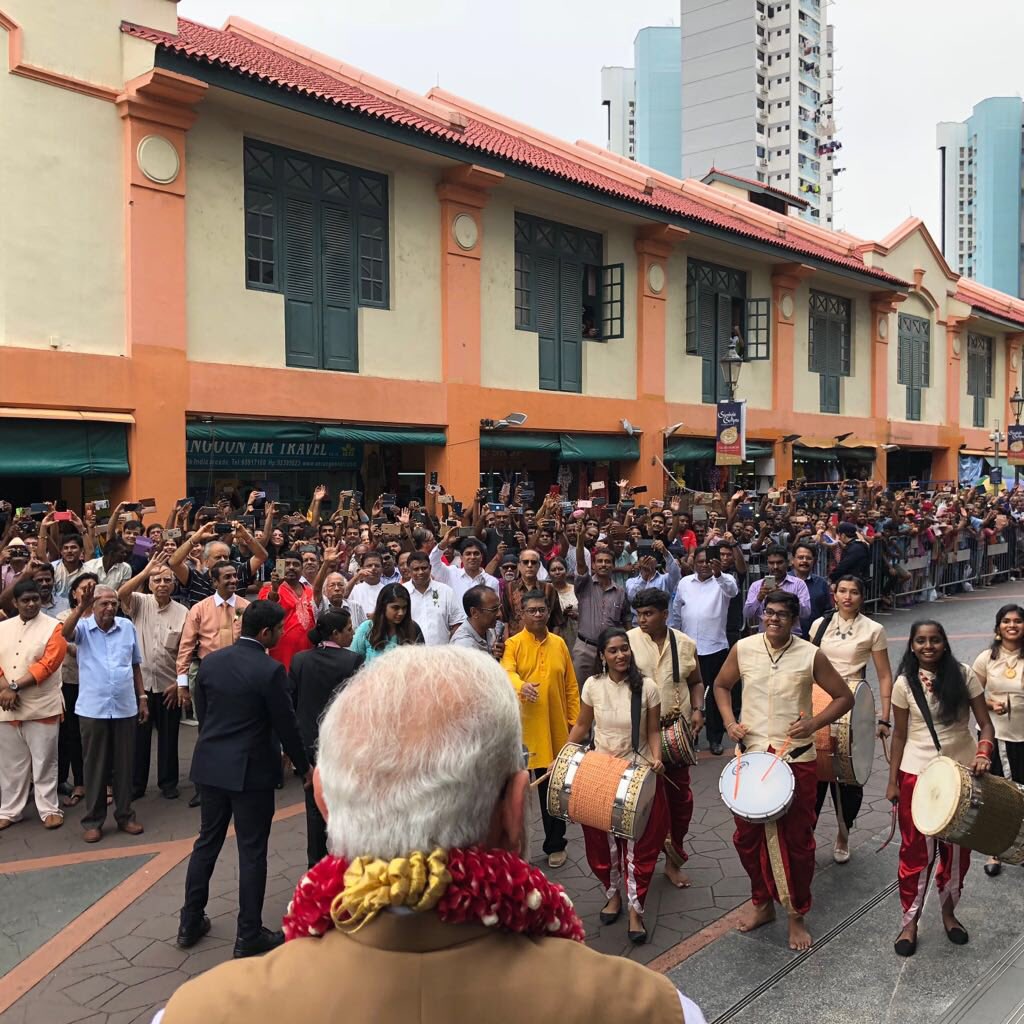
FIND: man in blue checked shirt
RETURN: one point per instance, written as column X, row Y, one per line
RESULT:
column 111, row 699
column 650, row 574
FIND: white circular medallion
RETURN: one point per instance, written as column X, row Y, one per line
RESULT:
column 464, row 231
column 1014, row 358
column 883, row 326
column 956, row 344
column 158, row 159
column 787, row 306
column 656, row 278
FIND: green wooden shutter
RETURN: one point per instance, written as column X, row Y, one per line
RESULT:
column 706, row 312
column 570, row 327
column 340, row 348
column 914, row 385
column 818, row 346
column 546, row 280
column 723, row 333
column 300, row 328
column 831, row 365
column 925, row 344
column 692, row 344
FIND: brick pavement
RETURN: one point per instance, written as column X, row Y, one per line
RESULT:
column 115, row 961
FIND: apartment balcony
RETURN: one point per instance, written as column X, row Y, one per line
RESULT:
column 811, row 7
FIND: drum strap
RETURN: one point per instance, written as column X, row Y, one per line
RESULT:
column 825, row 620
column 675, row 664
column 634, row 714
column 922, row 705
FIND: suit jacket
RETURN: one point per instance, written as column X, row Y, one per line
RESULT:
column 432, row 972
column 316, row 676
column 242, row 700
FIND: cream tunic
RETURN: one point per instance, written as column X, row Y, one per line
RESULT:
column 613, row 719
column 775, row 694
column 992, row 674
column 851, row 653
column 656, row 664
column 955, row 738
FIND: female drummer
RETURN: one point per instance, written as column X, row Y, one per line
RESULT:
column 1001, row 671
column 930, row 677
column 606, row 703
column 850, row 640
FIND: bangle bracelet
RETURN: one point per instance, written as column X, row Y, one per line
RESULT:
column 142, row 696
column 987, row 744
column 883, row 721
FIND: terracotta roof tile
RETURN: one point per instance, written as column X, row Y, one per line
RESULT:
column 236, row 52
column 1010, row 313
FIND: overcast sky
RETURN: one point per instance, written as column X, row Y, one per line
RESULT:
column 901, row 66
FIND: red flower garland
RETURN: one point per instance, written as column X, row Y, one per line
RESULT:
column 494, row 887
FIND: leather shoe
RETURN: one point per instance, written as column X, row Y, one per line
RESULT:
column 194, row 801
column 5, row 823
column 170, row 794
column 92, row 835
column 53, row 821
column 716, row 749
column 260, row 944
column 189, row 935
column 132, row 828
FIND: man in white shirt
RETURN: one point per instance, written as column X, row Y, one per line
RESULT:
column 700, row 610
column 433, row 605
column 367, row 583
column 470, row 575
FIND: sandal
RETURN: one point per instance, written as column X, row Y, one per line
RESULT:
column 73, row 799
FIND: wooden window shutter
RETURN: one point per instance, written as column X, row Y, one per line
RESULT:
column 706, row 319
column 300, row 328
column 925, row 345
column 546, row 309
column 340, row 346
column 724, row 332
column 817, row 354
column 570, row 328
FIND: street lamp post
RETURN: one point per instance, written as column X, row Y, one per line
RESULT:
column 731, row 364
column 1017, row 401
column 997, row 437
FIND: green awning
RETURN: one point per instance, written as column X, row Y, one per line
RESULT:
column 814, row 454
column 383, row 435
column 759, row 450
column 599, row 448
column 57, row 448
column 858, row 454
column 251, row 430
column 695, row 449
column 514, row 442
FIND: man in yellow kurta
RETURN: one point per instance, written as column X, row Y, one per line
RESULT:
column 540, row 668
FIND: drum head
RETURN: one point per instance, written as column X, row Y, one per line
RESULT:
column 862, row 732
column 757, row 800
column 936, row 796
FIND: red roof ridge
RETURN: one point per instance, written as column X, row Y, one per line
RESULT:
column 340, row 69
column 798, row 201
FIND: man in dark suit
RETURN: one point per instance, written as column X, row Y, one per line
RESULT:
column 242, row 700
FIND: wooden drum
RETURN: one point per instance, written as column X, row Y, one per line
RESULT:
column 982, row 812
column 846, row 748
column 676, row 741
column 604, row 792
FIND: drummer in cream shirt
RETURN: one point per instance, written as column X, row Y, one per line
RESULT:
column 850, row 640
column 778, row 671
column 930, row 677
column 606, row 704
column 681, row 691
column 1000, row 669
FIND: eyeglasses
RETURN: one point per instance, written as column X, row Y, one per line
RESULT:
column 535, row 611
column 781, row 616
column 529, row 561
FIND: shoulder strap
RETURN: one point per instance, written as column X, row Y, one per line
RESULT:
column 634, row 708
column 675, row 656
column 926, row 713
column 825, row 620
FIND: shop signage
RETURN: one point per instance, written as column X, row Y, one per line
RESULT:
column 731, row 434
column 1015, row 444
column 262, row 454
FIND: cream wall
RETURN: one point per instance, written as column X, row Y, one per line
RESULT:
column 229, row 323
column 61, row 183
column 83, row 38
column 510, row 357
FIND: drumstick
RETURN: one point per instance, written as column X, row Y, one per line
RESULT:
column 536, row 782
column 781, row 754
column 736, row 787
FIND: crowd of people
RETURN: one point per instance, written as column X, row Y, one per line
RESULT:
column 720, row 612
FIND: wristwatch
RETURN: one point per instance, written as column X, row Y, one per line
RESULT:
column 13, row 686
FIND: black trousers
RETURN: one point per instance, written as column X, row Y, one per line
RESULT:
column 108, row 747
column 850, row 799
column 554, row 828
column 710, row 666
column 69, row 740
column 253, row 812
column 316, row 831
column 1014, row 769
column 165, row 721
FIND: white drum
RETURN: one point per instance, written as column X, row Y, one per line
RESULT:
column 757, row 801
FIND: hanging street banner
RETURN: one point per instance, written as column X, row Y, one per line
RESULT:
column 1015, row 444
column 731, row 434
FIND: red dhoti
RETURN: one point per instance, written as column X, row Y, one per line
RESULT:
column 795, row 831
column 613, row 859
column 918, row 854
column 680, row 811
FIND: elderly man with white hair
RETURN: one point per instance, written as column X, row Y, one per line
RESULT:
column 425, row 909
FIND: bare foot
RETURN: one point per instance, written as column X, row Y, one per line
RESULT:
column 676, row 876
column 799, row 936
column 760, row 915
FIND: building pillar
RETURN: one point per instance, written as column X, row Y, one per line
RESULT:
column 945, row 463
column 462, row 197
column 653, row 249
column 882, row 306
column 1014, row 343
column 786, row 279
column 156, row 109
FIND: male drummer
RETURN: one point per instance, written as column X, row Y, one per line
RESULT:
column 778, row 671
column 679, row 684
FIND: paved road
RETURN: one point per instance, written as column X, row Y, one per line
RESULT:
column 87, row 933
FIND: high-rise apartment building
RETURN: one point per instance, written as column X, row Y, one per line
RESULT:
column 757, row 96
column 618, row 96
column 656, row 54
column 980, row 166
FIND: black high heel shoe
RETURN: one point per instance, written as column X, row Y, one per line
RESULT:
column 638, row 938
column 993, row 867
